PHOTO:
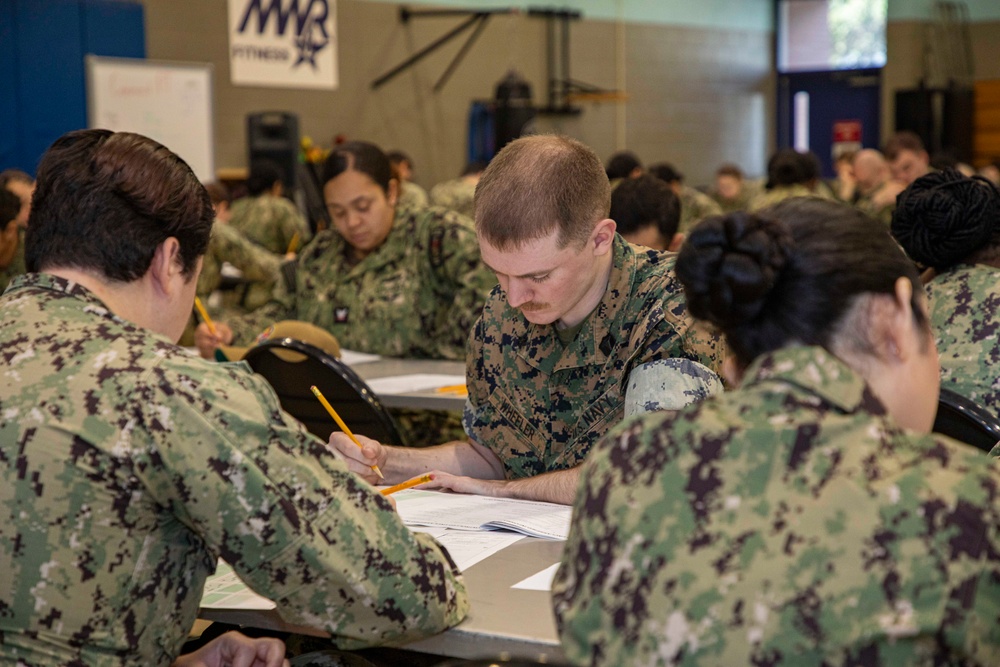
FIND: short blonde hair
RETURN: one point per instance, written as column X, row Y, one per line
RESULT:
column 539, row 184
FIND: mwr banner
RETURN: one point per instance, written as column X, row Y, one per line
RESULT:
column 287, row 43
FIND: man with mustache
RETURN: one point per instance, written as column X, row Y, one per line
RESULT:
column 582, row 329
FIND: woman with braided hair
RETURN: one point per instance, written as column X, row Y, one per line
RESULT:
column 951, row 223
column 807, row 517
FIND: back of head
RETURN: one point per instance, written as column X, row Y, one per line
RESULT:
column 666, row 173
column 10, row 206
column 14, row 176
column 622, row 164
column 945, row 218
column 264, row 174
column 360, row 156
column 790, row 275
column 218, row 193
column 640, row 202
column 729, row 169
column 104, row 201
column 540, row 184
column 786, row 167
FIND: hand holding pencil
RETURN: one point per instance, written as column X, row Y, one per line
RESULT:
column 343, row 427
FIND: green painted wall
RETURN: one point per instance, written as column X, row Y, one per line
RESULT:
column 922, row 10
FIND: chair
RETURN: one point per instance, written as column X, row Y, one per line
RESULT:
column 292, row 367
column 964, row 420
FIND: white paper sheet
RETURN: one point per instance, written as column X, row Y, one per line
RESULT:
column 401, row 384
column 353, row 358
column 465, row 512
column 467, row 548
column 225, row 590
column 540, row 581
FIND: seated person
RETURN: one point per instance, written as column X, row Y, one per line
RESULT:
column 259, row 267
column 10, row 231
column 695, row 206
column 732, row 191
column 580, row 327
column 646, row 212
column 388, row 280
column 789, row 174
column 265, row 216
column 623, row 164
column 459, row 194
column 951, row 223
column 875, row 193
column 129, row 466
column 808, row 517
column 409, row 194
column 22, row 186
column 907, row 157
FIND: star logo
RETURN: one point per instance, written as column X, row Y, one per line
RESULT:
column 308, row 44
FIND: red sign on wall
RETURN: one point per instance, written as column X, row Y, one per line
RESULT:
column 847, row 131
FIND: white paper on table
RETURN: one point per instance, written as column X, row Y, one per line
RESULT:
column 401, row 384
column 225, row 590
column 467, row 512
column 540, row 581
column 467, row 548
column 353, row 358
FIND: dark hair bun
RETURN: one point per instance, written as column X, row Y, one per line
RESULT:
column 945, row 216
column 729, row 266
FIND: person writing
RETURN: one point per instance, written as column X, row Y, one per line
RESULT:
column 581, row 329
column 807, row 517
column 129, row 466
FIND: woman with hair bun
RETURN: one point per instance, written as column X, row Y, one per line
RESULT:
column 807, row 517
column 951, row 223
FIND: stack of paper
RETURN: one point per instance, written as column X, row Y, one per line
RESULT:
column 464, row 512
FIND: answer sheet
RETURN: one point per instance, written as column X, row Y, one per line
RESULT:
column 401, row 384
column 467, row 548
column 466, row 512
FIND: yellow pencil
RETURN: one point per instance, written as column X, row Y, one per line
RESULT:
column 204, row 316
column 423, row 479
column 293, row 244
column 341, row 424
column 453, row 389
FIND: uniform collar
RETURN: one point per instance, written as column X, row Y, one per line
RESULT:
column 818, row 372
column 49, row 282
column 539, row 344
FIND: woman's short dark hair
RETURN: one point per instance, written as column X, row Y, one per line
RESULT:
column 622, row 164
column 359, row 156
column 786, row 167
column 945, row 218
column 790, row 274
column 104, row 201
column 263, row 175
column 640, row 202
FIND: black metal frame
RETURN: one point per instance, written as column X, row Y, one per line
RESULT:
column 962, row 419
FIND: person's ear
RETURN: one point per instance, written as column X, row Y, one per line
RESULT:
column 731, row 371
column 603, row 236
column 392, row 192
column 676, row 242
column 892, row 324
column 166, row 265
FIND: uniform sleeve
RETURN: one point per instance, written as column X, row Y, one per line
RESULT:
column 292, row 222
column 256, row 263
column 282, row 306
column 462, row 282
column 300, row 529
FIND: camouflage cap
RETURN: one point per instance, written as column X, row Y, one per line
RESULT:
column 303, row 331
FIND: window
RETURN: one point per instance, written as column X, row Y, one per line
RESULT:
column 823, row 35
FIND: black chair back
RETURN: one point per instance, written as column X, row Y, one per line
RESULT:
column 962, row 419
column 292, row 367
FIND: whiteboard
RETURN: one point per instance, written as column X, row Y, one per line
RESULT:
column 166, row 101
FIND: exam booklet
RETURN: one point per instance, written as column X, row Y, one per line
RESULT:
column 465, row 512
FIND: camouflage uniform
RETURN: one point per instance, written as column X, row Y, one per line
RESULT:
column 412, row 195
column 779, row 194
column 259, row 267
column 881, row 212
column 541, row 406
column 790, row 522
column 16, row 266
column 964, row 302
column 269, row 221
column 459, row 195
column 415, row 296
column 128, row 466
column 741, row 202
column 695, row 207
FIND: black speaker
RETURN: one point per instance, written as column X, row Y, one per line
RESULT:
column 514, row 112
column 274, row 135
column 942, row 117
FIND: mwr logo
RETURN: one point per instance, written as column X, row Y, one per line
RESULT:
column 310, row 24
column 270, row 40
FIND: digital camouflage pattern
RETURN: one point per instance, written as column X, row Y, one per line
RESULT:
column 458, row 195
column 541, row 406
column 741, row 202
column 778, row 194
column 259, row 267
column 417, row 295
column 16, row 267
column 270, row 222
column 963, row 303
column 790, row 522
column 412, row 196
column 695, row 207
column 128, row 466
column 878, row 204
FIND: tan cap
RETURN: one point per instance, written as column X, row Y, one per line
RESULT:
column 303, row 331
